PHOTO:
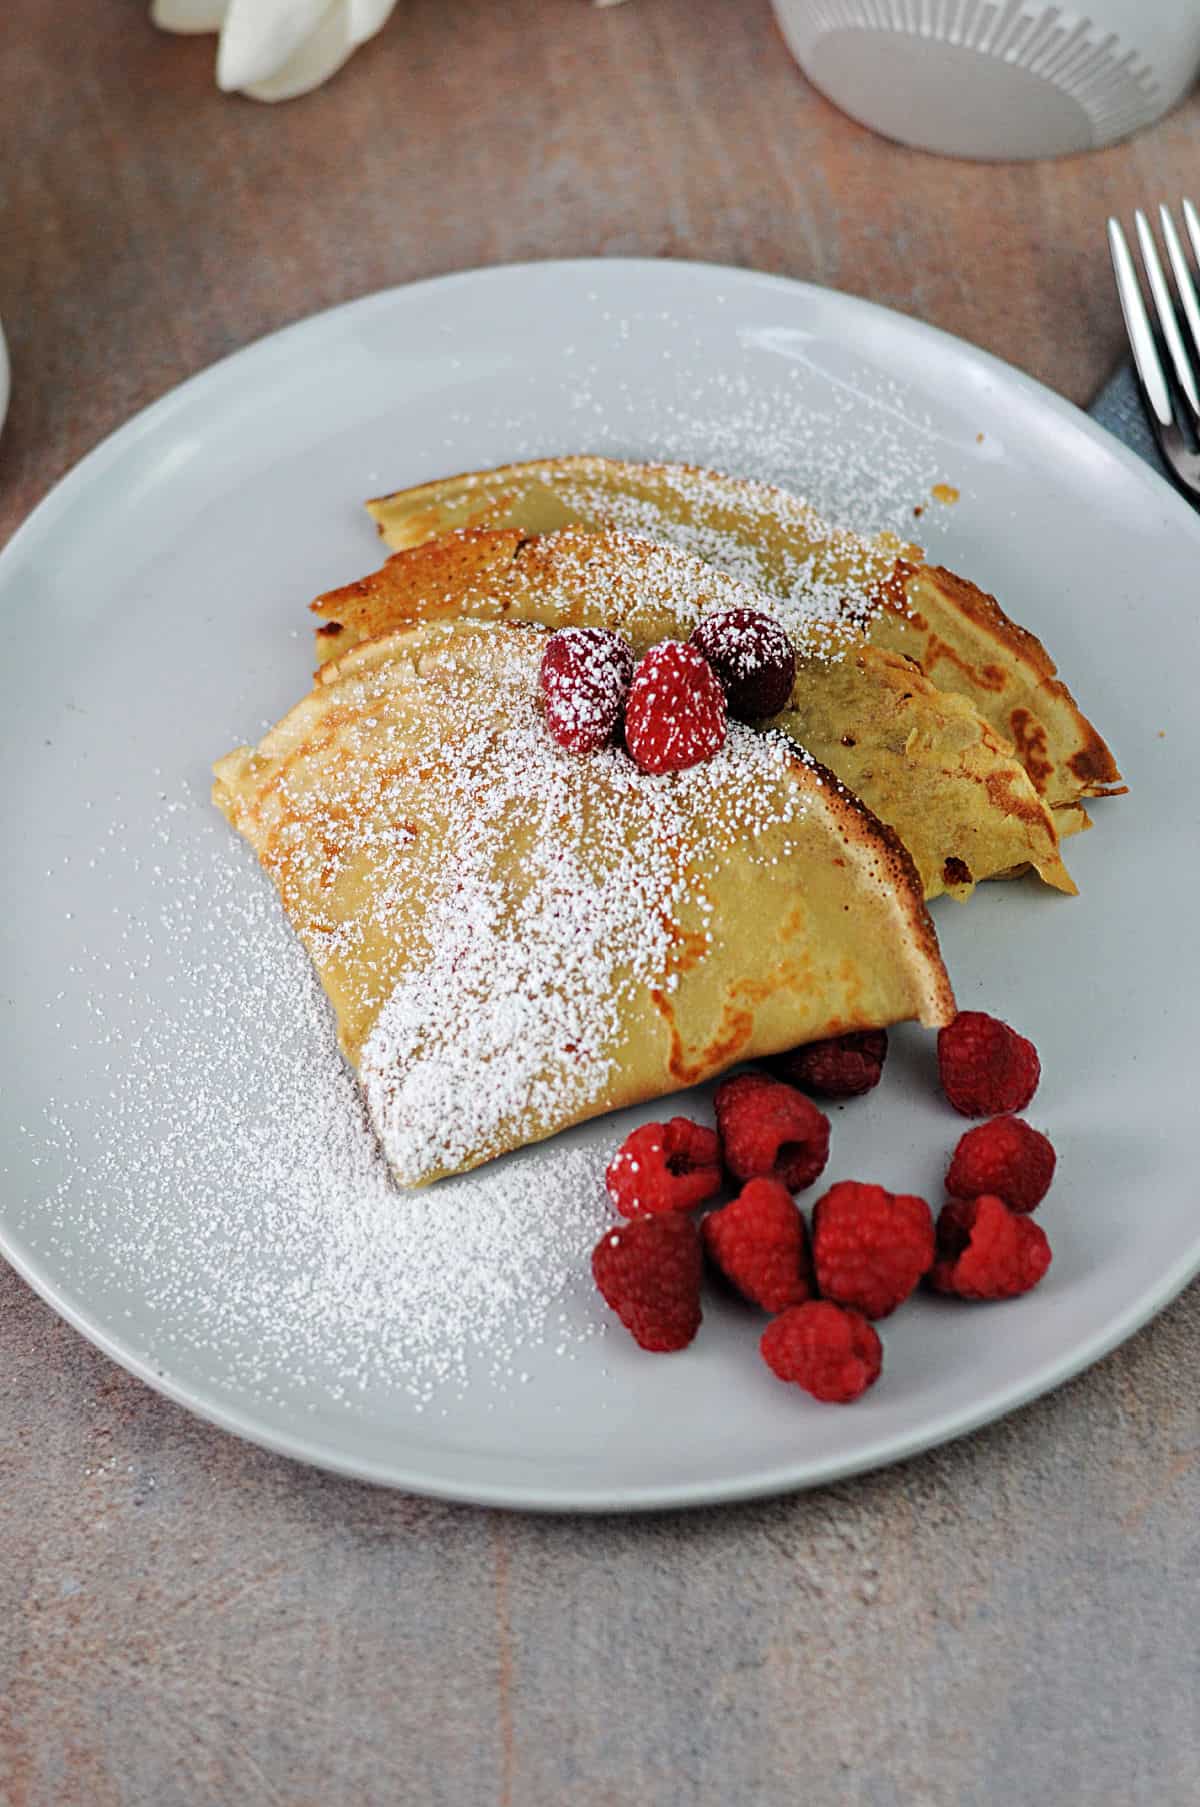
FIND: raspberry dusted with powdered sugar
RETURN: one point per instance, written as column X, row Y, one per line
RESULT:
column 675, row 711
column 585, row 677
column 754, row 659
column 664, row 1167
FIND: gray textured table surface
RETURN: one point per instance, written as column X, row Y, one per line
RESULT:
column 186, row 1621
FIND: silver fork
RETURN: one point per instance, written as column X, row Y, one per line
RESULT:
column 1171, row 401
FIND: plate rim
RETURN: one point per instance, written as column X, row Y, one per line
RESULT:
column 791, row 1477
column 148, row 416
column 884, row 1452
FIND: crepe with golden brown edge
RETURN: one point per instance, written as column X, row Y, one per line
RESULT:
column 514, row 938
column 922, row 759
column 960, row 637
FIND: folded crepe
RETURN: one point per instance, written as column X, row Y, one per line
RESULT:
column 515, row 938
column 920, row 758
column 959, row 636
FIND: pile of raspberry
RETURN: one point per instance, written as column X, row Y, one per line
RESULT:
column 672, row 708
column 826, row 1283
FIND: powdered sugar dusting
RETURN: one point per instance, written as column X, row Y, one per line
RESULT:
column 510, row 1026
column 685, row 577
column 230, row 1183
column 859, row 446
column 739, row 639
column 833, row 581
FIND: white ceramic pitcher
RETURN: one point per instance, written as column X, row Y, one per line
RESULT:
column 997, row 78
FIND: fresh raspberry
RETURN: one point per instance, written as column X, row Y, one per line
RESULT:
column 832, row 1353
column 870, row 1247
column 675, row 711
column 585, row 677
column 754, row 659
column 760, row 1244
column 845, row 1066
column 664, row 1167
column 986, row 1251
column 649, row 1272
column 1005, row 1158
column 986, row 1067
column 769, row 1130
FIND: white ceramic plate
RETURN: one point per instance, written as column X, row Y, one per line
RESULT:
column 154, row 608
column 5, row 377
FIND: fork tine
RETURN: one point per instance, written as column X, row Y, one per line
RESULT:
column 1165, row 308
column 1191, row 220
column 1137, row 325
column 1181, row 270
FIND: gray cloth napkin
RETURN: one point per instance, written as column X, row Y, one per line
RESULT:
column 1118, row 407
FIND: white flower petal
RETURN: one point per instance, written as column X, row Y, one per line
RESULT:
column 260, row 37
column 275, row 49
column 189, row 15
column 319, row 57
column 367, row 17
column 342, row 29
